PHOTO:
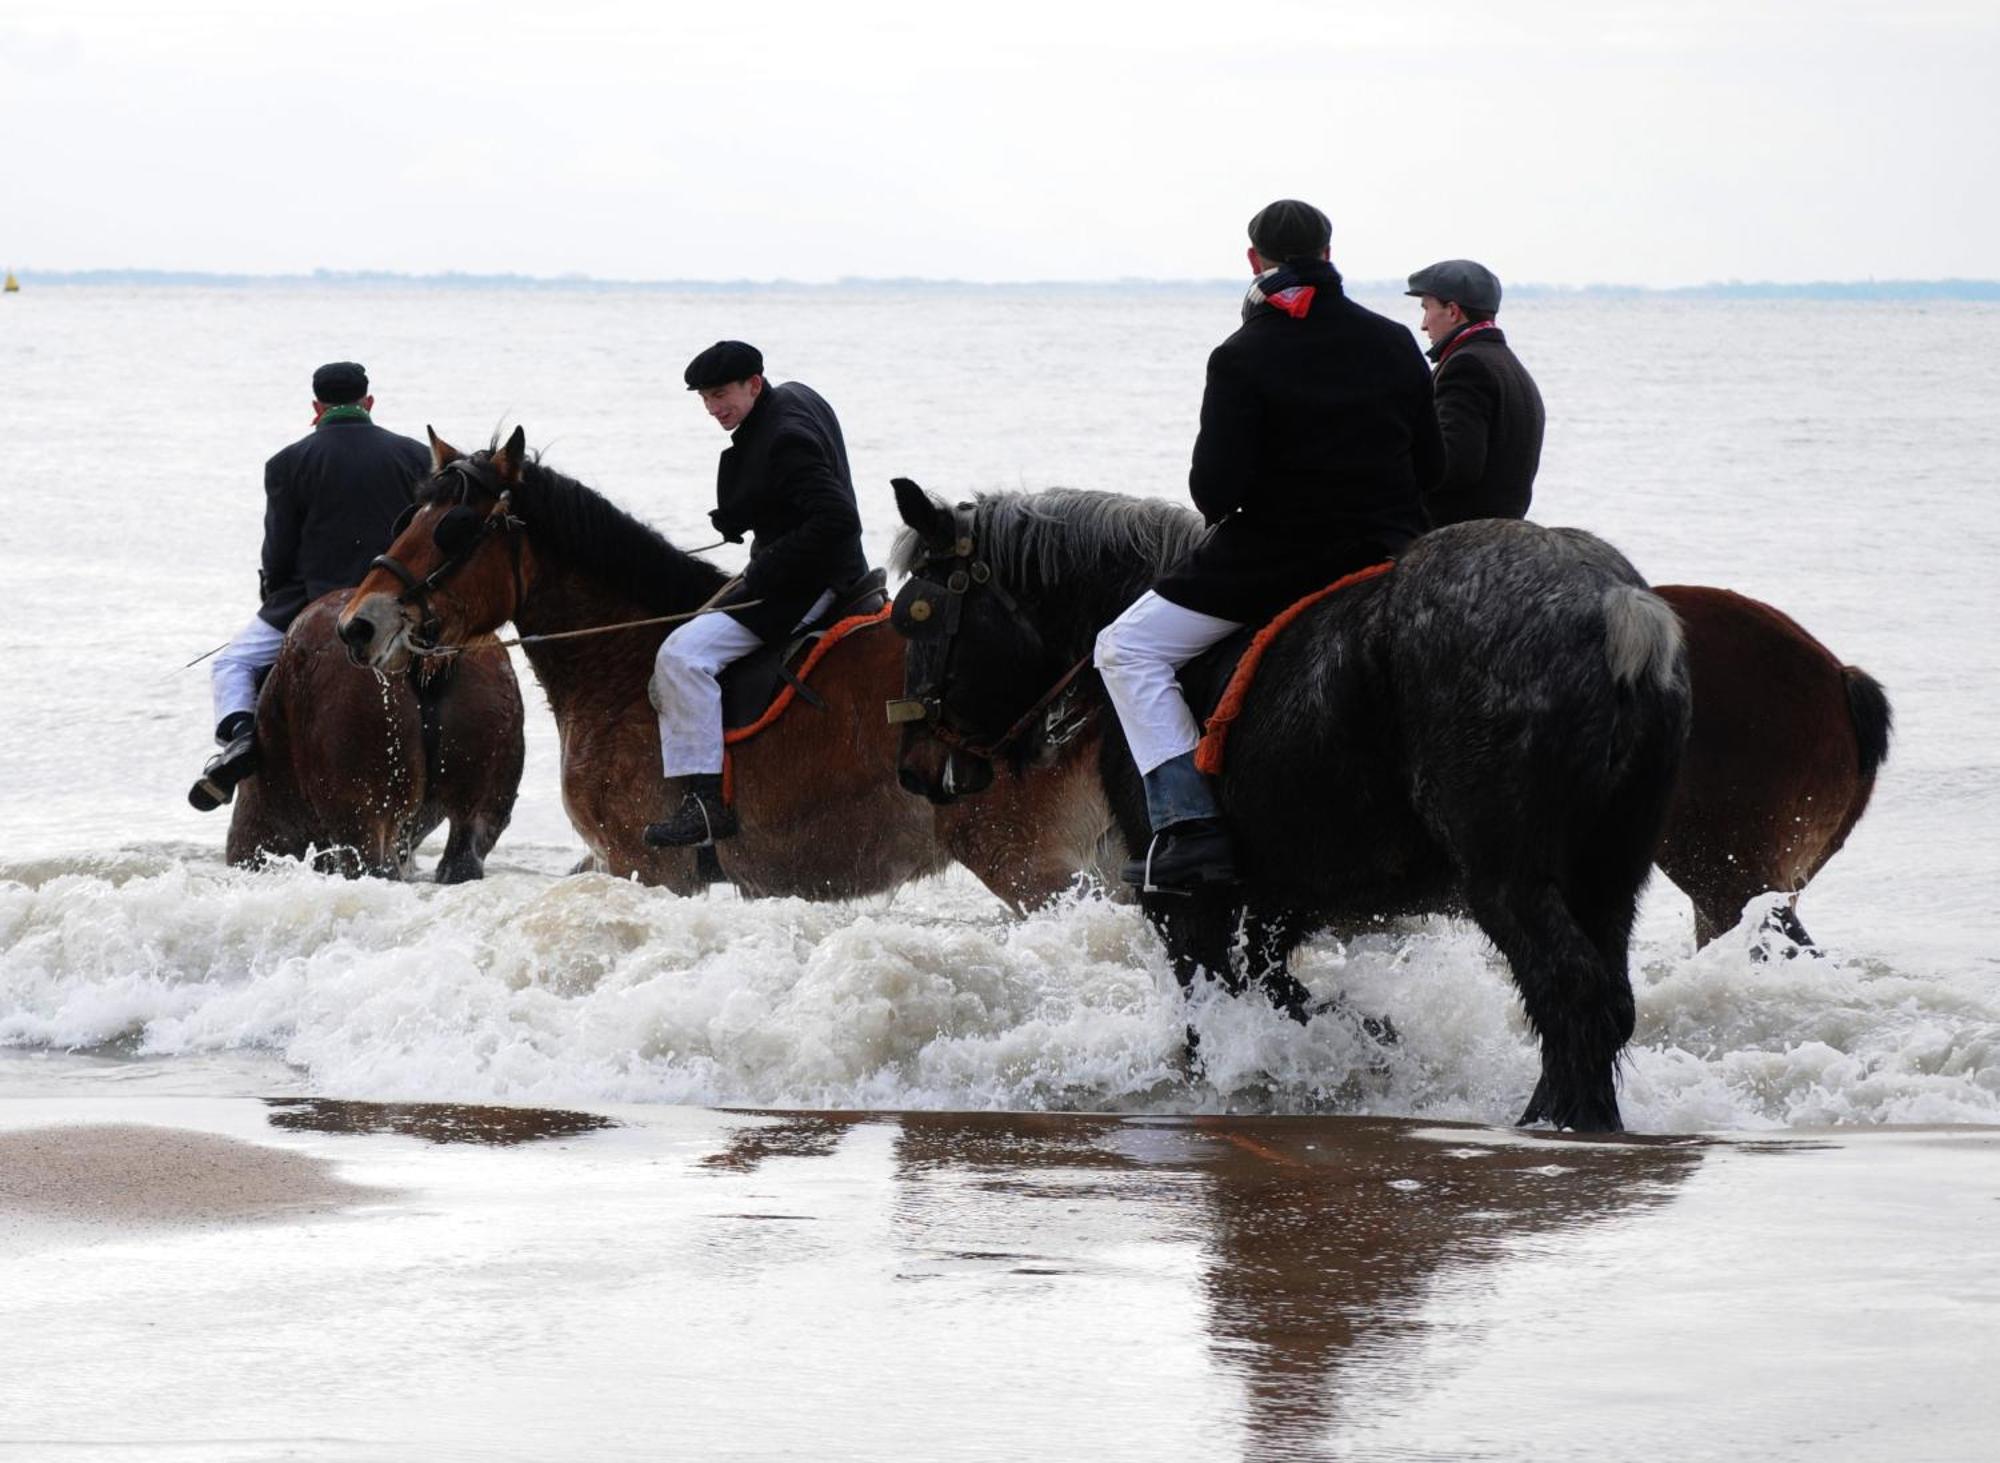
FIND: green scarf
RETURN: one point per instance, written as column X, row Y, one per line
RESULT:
column 352, row 412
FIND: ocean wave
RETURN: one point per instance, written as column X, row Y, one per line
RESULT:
column 528, row 988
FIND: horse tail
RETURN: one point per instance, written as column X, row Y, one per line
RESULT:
column 1642, row 637
column 1868, row 707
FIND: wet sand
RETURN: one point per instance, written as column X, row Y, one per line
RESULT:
column 225, row 1278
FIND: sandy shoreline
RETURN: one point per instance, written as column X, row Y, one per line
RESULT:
column 437, row 1281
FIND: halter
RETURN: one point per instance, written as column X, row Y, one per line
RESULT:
column 500, row 520
column 1059, row 712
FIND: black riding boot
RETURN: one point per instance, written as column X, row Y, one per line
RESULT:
column 702, row 817
column 236, row 761
column 1190, row 848
column 1184, row 857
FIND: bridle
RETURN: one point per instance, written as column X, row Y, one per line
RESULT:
column 460, row 538
column 931, row 607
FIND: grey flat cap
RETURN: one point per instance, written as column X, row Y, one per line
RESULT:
column 1458, row 282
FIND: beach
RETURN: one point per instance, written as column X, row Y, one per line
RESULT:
column 243, row 1280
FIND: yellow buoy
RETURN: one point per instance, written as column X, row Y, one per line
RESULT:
column 13, row 285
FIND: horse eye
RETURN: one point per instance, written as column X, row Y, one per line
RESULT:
column 456, row 530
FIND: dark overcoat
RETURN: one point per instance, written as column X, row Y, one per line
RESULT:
column 1318, row 439
column 331, row 500
column 1491, row 415
column 784, row 479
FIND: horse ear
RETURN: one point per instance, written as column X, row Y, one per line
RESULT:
column 926, row 514
column 442, row 452
column 507, row 461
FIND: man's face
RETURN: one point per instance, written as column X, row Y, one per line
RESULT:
column 1441, row 317
column 730, row 404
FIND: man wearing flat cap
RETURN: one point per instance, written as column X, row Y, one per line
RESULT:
column 331, row 501
column 1488, row 407
column 1317, row 442
column 784, row 481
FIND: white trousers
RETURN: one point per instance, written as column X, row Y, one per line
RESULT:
column 685, row 692
column 232, row 678
column 1137, row 654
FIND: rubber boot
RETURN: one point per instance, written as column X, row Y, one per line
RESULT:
column 701, row 819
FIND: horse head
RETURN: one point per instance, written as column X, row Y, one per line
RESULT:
column 974, row 663
column 460, row 564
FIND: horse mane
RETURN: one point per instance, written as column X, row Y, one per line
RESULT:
column 1083, row 555
column 578, row 524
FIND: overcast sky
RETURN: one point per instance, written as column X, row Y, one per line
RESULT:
column 1645, row 143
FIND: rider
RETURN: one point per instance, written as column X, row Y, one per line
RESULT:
column 1487, row 403
column 1317, row 439
column 330, row 502
column 783, row 479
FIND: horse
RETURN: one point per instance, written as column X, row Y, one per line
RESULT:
column 501, row 536
column 1780, row 761
column 357, row 770
column 1496, row 726
column 1779, row 766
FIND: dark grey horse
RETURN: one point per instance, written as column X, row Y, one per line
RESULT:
column 1495, row 726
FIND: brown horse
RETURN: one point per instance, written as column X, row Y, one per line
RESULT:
column 1780, row 761
column 357, row 769
column 499, row 536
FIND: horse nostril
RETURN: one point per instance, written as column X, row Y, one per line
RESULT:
column 357, row 632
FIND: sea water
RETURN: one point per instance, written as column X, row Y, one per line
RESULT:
column 1836, row 459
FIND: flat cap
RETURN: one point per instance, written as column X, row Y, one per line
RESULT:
column 1458, row 282
column 722, row 363
column 338, row 383
column 1289, row 229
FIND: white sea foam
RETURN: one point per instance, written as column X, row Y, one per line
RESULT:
column 587, row 989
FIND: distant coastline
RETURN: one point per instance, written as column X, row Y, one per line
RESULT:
column 1872, row 289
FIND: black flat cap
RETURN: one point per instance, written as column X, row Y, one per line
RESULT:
column 338, row 383
column 1458, row 282
column 722, row 363
column 1289, row 229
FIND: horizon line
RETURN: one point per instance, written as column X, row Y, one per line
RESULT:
column 1947, row 286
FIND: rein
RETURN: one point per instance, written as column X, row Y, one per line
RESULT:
column 501, row 520
column 594, row 629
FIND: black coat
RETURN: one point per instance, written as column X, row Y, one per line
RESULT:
column 784, row 479
column 330, row 501
column 1492, row 419
column 1318, row 438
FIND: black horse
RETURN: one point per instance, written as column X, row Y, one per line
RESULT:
column 1494, row 726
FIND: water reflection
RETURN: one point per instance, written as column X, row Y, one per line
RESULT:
column 1316, row 1242
column 1323, row 1253
column 791, row 1135
column 435, row 1122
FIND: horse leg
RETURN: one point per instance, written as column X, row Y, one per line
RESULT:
column 1269, row 937
column 471, row 838
column 1197, row 930
column 463, row 859
column 1579, row 1003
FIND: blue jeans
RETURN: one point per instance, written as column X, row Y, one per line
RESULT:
column 1176, row 792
